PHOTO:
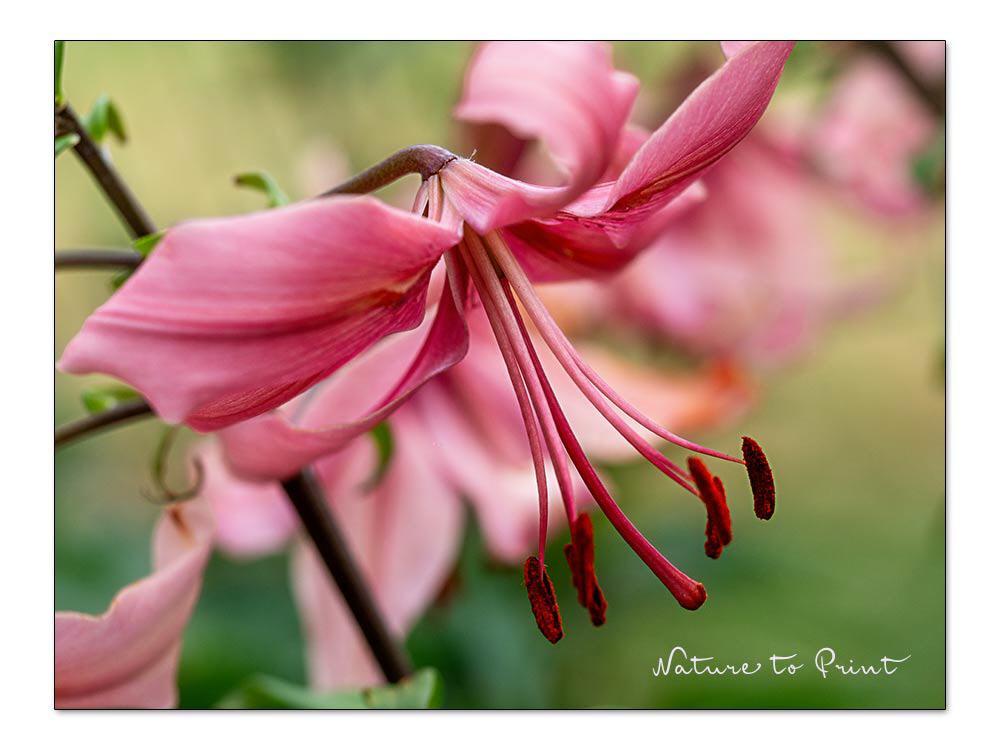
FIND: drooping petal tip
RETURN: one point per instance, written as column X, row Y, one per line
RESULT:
column 760, row 475
column 543, row 600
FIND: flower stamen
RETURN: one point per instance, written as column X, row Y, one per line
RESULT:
column 543, row 600
column 760, row 475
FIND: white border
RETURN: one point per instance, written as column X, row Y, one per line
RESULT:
column 974, row 274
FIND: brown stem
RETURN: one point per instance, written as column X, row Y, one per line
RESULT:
column 97, row 259
column 425, row 160
column 117, row 415
column 105, row 174
column 307, row 497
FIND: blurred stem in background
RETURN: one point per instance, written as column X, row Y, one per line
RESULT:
column 304, row 494
column 933, row 95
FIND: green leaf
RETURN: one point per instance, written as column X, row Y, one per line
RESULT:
column 60, row 52
column 144, row 245
column 264, row 183
column 422, row 690
column 65, row 142
column 104, row 118
column 102, row 398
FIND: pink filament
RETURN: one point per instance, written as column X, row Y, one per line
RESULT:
column 587, row 379
column 494, row 297
column 527, row 416
column 561, row 348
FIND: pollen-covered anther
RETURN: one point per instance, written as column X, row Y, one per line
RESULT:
column 580, row 556
column 718, row 528
column 760, row 475
column 543, row 600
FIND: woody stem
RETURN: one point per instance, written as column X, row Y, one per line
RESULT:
column 307, row 498
column 424, row 159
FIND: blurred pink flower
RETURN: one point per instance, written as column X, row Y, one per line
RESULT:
column 745, row 273
column 127, row 657
column 868, row 135
column 230, row 318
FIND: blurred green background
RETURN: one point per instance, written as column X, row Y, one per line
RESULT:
column 853, row 559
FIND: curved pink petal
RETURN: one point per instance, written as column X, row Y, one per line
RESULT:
column 363, row 394
column 127, row 657
column 566, row 95
column 710, row 122
column 571, row 246
column 252, row 518
column 603, row 229
column 232, row 317
column 404, row 534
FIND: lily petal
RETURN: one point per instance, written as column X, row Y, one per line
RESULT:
column 604, row 229
column 404, row 535
column 710, row 122
column 568, row 95
column 252, row 518
column 362, row 395
column 232, row 317
column 127, row 657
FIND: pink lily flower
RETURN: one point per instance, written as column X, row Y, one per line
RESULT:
column 459, row 437
column 230, row 318
column 128, row 656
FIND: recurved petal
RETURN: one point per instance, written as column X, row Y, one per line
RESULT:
column 710, row 122
column 127, row 657
column 566, row 95
column 573, row 245
column 231, row 317
column 404, row 535
column 361, row 395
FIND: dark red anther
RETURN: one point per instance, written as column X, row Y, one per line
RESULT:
column 580, row 556
column 718, row 529
column 543, row 599
column 724, row 511
column 760, row 475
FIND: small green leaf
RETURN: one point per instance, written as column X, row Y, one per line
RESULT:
column 104, row 118
column 60, row 53
column 102, row 398
column 67, row 141
column 264, row 183
column 422, row 690
column 144, row 245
